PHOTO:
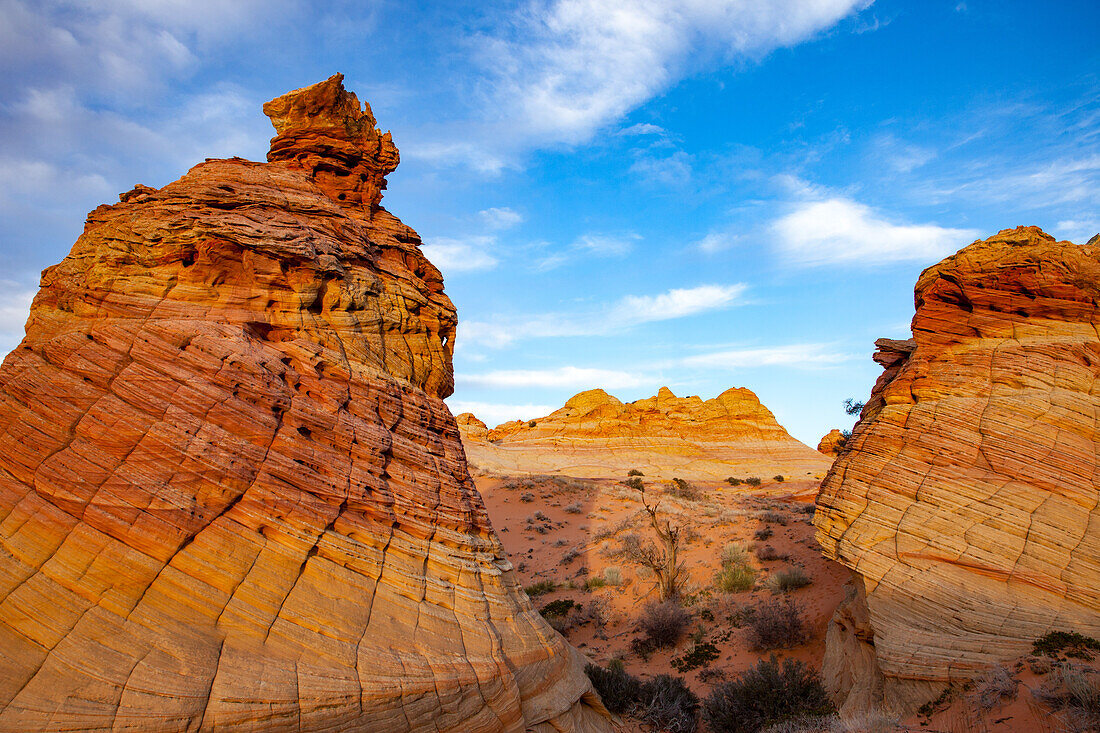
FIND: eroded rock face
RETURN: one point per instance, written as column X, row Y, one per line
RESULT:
column 967, row 497
column 231, row 495
column 831, row 443
column 597, row 435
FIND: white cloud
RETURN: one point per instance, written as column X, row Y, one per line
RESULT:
column 493, row 414
column 15, row 306
column 606, row 245
column 841, row 231
column 557, row 71
column 717, row 242
column 461, row 255
column 671, row 170
column 500, row 218
column 676, row 303
column 812, row 355
column 1078, row 230
column 642, row 128
column 567, row 376
column 626, row 313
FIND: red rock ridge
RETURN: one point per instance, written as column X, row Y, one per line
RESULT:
column 231, row 495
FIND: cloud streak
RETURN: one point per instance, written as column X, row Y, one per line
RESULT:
column 566, row 376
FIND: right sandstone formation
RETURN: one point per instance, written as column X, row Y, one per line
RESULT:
column 966, row 500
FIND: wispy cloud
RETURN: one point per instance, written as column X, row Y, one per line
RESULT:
column 642, row 128
column 1078, row 230
column 839, row 230
column 500, row 217
column 628, row 312
column 798, row 356
column 592, row 244
column 461, row 255
column 566, row 376
column 495, row 413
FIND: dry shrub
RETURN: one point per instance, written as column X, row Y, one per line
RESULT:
column 736, row 574
column 764, row 695
column 774, row 517
column 682, row 489
column 776, row 624
column 668, row 704
column 993, row 687
column 1074, row 690
column 574, row 508
column 788, row 579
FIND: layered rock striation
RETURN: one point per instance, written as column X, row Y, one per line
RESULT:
column 231, row 495
column 966, row 500
column 597, row 435
column 831, row 443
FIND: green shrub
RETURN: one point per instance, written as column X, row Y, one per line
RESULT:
column 752, row 481
column 736, row 574
column 701, row 654
column 560, row 607
column 634, row 472
column 764, row 695
column 778, row 477
column 1069, row 643
column 619, row 690
column 788, row 579
column 594, row 581
column 684, row 490
column 540, row 588
column 733, row 481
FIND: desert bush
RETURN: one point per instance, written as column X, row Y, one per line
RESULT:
column 669, row 705
column 733, row 481
column 807, row 508
column 767, row 552
column 634, row 472
column 776, row 624
column 788, row 579
column 778, row 478
column 594, row 581
column 752, row 481
column 684, row 490
column 664, row 623
column 527, row 497
column 613, row 575
column 619, row 690
column 557, row 613
column 1068, row 643
column 867, row 723
column 736, row 573
column 701, row 654
column 764, row 533
column 993, row 687
column 570, row 556
column 1073, row 689
column 540, row 588
column 774, row 517
column 574, row 508
column 764, row 695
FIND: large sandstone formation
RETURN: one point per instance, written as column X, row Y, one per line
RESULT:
column 231, row 495
column 966, row 500
column 596, row 435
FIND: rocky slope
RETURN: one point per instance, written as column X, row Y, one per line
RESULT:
column 966, row 499
column 231, row 495
column 596, row 435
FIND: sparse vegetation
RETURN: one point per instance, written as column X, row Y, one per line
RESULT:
column 569, row 556
column 736, row 573
column 852, row 407
column 733, row 481
column 996, row 685
column 701, row 654
column 662, row 624
column 557, row 613
column 661, row 558
column 752, row 481
column 669, row 705
column 531, row 423
column 1066, row 643
column 540, row 588
column 764, row 695
column 634, row 472
column 763, row 533
column 774, row 517
column 1074, row 690
column 613, row 575
column 527, row 497
column 776, row 624
column 619, row 690
column 574, row 508
column 778, row 478
column 684, row 490
column 788, row 579
column 768, row 553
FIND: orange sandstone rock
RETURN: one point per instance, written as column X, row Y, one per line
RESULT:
column 831, row 443
column 596, row 435
column 231, row 495
column 966, row 500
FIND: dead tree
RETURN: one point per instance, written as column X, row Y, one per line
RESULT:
column 662, row 557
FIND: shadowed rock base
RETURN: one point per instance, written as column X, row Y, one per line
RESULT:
column 231, row 496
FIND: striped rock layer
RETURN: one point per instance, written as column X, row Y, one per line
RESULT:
column 966, row 500
column 231, row 495
column 596, row 435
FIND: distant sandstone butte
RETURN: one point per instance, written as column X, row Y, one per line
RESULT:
column 831, row 443
column 596, row 435
column 967, row 497
column 231, row 495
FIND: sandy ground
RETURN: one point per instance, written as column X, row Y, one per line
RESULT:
column 568, row 530
column 584, row 523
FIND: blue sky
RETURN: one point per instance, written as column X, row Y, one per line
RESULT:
column 623, row 195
